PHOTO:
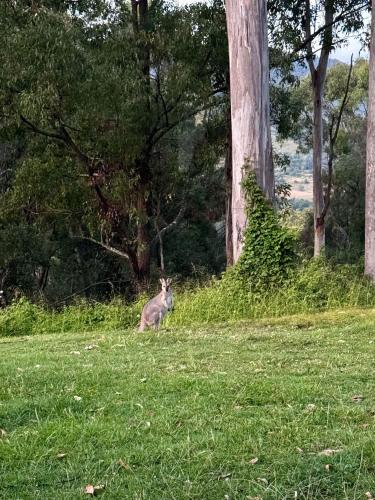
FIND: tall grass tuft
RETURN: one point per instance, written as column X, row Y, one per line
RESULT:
column 314, row 286
column 25, row 318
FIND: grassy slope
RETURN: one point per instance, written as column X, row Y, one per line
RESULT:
column 188, row 409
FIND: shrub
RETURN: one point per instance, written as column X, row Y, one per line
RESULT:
column 314, row 286
column 25, row 318
column 269, row 249
column 20, row 318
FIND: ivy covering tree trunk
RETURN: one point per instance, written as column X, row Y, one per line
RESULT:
column 250, row 110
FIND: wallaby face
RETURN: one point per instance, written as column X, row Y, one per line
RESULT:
column 155, row 310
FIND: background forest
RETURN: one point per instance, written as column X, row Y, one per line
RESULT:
column 115, row 157
column 223, row 145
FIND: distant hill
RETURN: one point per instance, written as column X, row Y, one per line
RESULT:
column 302, row 70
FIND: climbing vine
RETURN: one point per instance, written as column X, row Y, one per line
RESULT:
column 269, row 249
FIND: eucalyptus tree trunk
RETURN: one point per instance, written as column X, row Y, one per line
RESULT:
column 318, row 200
column 318, row 78
column 249, row 93
column 370, row 166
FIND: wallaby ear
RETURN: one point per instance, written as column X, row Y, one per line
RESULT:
column 169, row 281
column 161, row 280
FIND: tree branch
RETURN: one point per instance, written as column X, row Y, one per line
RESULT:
column 74, row 147
column 308, row 40
column 169, row 226
column 327, row 40
column 163, row 131
column 333, row 133
column 165, row 109
column 37, row 130
column 340, row 17
column 89, row 162
column 108, row 248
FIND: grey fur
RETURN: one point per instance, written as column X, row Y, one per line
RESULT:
column 155, row 310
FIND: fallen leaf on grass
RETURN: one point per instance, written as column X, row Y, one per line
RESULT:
column 2, row 434
column 329, row 452
column 89, row 489
column 300, row 450
column 368, row 495
column 310, row 407
column 95, row 410
column 124, row 465
column 61, row 455
column 254, row 461
column 357, row 399
column 77, row 398
column 94, row 490
column 328, row 467
column 90, row 347
column 75, row 352
column 225, row 475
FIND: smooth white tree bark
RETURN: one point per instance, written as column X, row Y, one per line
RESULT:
column 250, row 111
column 370, row 166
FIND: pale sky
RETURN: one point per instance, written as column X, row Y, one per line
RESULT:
column 343, row 53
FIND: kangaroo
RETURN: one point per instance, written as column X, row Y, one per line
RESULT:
column 155, row 310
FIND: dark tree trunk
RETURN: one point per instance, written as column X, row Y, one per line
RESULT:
column 318, row 77
column 43, row 278
column 319, row 222
column 228, row 194
column 142, row 271
column 370, row 166
column 141, row 268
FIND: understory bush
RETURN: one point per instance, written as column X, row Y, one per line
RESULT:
column 269, row 250
column 314, row 286
column 25, row 318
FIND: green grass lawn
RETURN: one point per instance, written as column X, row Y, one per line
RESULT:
column 185, row 413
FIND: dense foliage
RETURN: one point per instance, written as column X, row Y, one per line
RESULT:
column 269, row 249
column 112, row 129
column 113, row 134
